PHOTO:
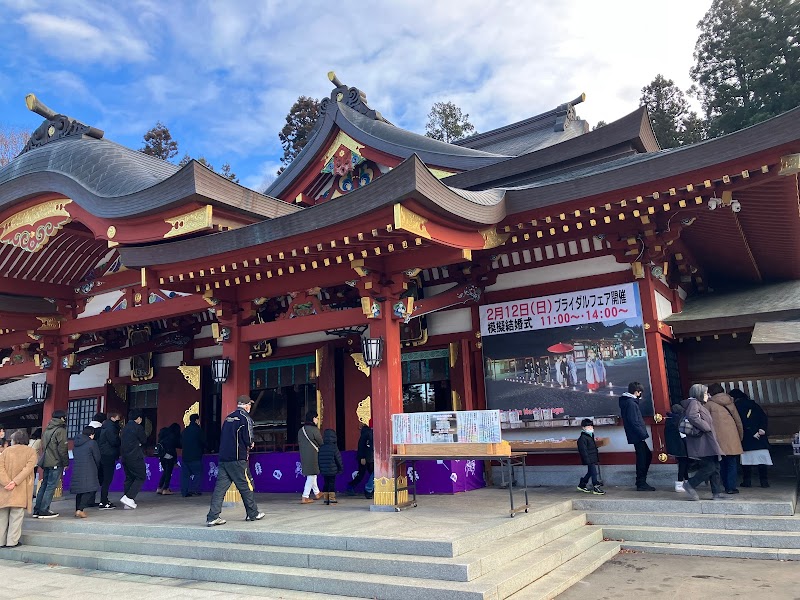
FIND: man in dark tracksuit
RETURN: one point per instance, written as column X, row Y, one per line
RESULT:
column 108, row 441
column 132, row 442
column 236, row 440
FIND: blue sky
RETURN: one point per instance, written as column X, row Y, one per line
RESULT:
column 223, row 74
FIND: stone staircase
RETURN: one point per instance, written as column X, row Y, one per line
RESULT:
column 726, row 528
column 533, row 556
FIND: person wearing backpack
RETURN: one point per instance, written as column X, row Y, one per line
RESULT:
column 169, row 440
column 701, row 443
column 54, row 459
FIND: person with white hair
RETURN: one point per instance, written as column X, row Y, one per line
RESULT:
column 701, row 443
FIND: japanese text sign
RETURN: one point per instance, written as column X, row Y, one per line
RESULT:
column 616, row 302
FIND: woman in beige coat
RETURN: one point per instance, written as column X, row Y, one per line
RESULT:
column 729, row 430
column 16, row 478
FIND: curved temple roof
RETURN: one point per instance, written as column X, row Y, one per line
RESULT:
column 112, row 181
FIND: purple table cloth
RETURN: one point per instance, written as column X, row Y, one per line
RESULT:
column 279, row 472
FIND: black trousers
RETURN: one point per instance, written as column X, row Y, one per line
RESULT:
column 362, row 470
column 135, row 474
column 84, row 500
column 707, row 470
column 593, row 473
column 643, row 457
column 747, row 471
column 167, row 465
column 237, row 473
column 683, row 467
column 107, row 467
column 330, row 483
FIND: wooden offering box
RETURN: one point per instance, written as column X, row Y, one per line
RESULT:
column 548, row 446
column 465, row 450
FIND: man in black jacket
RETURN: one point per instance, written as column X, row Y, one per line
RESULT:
column 366, row 462
column 132, row 442
column 55, row 458
column 235, row 443
column 636, row 432
column 108, row 441
column 193, row 441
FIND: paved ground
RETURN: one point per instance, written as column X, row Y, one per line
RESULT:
column 658, row 577
column 32, row 582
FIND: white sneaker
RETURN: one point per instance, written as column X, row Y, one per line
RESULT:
column 679, row 486
column 128, row 502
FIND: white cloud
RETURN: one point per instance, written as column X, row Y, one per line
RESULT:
column 264, row 175
column 107, row 42
column 223, row 75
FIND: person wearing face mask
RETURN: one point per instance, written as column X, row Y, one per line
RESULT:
column 590, row 456
column 702, row 444
column 636, row 432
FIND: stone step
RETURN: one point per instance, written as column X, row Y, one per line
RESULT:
column 501, row 582
column 710, row 537
column 568, row 574
column 683, row 505
column 695, row 521
column 259, row 534
column 465, row 567
column 718, row 551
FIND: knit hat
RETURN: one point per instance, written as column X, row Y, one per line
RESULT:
column 244, row 400
column 587, row 423
column 59, row 414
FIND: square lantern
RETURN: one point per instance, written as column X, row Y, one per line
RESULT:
column 220, row 369
column 372, row 348
column 40, row 391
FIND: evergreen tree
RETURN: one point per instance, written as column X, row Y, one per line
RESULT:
column 747, row 62
column 300, row 122
column 228, row 174
column 158, row 142
column 447, row 123
column 673, row 123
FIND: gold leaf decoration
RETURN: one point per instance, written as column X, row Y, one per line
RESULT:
column 358, row 359
column 364, row 410
column 191, row 375
column 194, row 409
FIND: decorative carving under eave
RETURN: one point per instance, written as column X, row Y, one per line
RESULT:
column 194, row 409
column 492, row 239
column 790, row 165
column 361, row 365
column 411, row 222
column 49, row 323
column 364, row 410
column 55, row 126
column 30, row 229
column 191, row 222
column 192, row 376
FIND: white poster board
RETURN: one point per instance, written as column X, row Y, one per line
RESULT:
column 447, row 427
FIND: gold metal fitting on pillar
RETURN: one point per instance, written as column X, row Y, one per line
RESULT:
column 232, row 495
column 658, row 417
column 384, row 490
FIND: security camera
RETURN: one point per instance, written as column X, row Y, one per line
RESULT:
column 736, row 206
column 713, row 203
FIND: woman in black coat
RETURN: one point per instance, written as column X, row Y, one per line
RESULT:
column 85, row 463
column 754, row 440
column 170, row 440
column 676, row 446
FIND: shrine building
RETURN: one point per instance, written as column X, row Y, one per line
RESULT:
column 537, row 268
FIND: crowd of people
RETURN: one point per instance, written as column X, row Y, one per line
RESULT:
column 718, row 431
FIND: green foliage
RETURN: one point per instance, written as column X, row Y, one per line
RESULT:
column 447, row 123
column 300, row 122
column 158, row 142
column 747, row 62
column 673, row 123
column 225, row 171
column 599, row 125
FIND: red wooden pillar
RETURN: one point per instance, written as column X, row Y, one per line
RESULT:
column 326, row 386
column 461, row 375
column 238, row 382
column 58, row 399
column 387, row 399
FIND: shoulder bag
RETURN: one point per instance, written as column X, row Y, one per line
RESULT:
column 313, row 445
column 686, row 428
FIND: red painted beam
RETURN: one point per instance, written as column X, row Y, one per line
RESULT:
column 113, row 282
column 17, row 321
column 26, row 368
column 174, row 307
column 454, row 296
column 19, row 287
column 328, row 320
column 15, row 338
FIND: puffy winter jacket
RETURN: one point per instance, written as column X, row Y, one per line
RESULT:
column 587, row 448
column 330, row 459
